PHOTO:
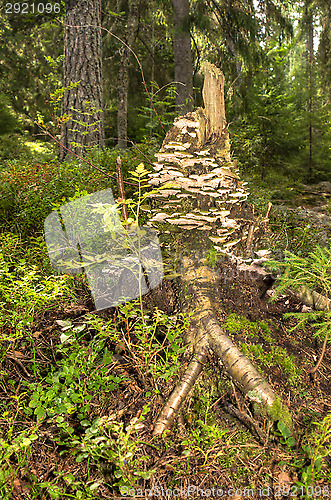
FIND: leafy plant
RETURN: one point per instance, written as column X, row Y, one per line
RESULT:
column 24, row 289
column 111, row 442
column 286, row 435
column 83, row 375
column 140, row 177
column 14, row 453
column 310, row 458
column 318, row 448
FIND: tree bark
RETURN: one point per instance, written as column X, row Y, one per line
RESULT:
column 123, row 74
column 183, row 57
column 82, row 104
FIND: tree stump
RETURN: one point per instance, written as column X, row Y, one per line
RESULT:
column 199, row 193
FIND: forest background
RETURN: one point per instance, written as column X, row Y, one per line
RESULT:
column 275, row 57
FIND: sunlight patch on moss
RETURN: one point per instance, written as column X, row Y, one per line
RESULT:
column 38, row 147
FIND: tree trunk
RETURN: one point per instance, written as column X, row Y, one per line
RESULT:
column 183, row 57
column 123, row 74
column 82, row 105
column 310, row 84
column 199, row 194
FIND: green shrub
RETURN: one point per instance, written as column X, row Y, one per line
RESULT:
column 29, row 190
column 12, row 146
column 8, row 121
column 24, row 289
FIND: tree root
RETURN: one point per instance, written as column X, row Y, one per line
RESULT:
column 321, row 303
column 195, row 281
column 180, row 393
column 316, row 367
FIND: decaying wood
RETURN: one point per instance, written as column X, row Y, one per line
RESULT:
column 213, row 98
column 247, row 421
column 250, row 236
column 255, row 226
column 199, row 204
column 313, row 299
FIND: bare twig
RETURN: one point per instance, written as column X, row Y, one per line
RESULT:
column 121, row 187
column 318, row 364
column 18, row 362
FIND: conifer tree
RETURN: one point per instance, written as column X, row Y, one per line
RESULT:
column 82, row 105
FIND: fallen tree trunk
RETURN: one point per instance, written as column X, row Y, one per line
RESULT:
column 198, row 206
column 313, row 299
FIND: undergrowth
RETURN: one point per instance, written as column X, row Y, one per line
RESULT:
column 81, row 390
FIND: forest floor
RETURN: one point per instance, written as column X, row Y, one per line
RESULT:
column 103, row 447
column 233, row 459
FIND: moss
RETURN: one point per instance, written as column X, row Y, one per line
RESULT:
column 269, row 355
column 239, row 324
column 279, row 412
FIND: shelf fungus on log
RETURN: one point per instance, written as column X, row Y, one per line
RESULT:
column 198, row 205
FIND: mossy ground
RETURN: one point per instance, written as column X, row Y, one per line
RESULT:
column 208, row 447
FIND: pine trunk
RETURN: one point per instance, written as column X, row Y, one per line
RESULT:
column 123, row 74
column 310, row 83
column 183, row 57
column 82, row 105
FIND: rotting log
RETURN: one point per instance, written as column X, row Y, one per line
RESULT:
column 197, row 206
column 313, row 299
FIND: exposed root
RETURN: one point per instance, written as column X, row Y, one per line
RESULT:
column 181, row 391
column 238, row 367
column 318, row 364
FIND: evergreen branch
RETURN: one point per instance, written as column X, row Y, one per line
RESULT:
column 313, row 270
